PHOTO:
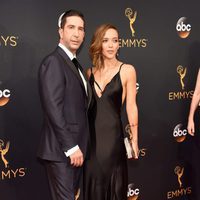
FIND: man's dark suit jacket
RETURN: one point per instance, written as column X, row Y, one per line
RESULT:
column 65, row 105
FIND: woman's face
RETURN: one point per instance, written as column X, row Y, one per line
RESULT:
column 110, row 44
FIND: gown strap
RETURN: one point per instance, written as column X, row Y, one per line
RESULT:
column 120, row 67
column 98, row 86
column 95, row 80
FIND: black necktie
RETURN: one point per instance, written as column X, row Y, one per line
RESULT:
column 77, row 65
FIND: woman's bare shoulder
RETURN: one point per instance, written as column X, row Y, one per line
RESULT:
column 128, row 69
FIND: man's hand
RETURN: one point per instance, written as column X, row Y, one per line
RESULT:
column 76, row 158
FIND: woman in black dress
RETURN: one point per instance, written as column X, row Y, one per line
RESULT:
column 113, row 82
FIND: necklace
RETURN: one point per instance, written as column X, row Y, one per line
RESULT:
column 105, row 76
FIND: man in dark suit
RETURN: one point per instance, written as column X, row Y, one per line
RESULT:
column 65, row 97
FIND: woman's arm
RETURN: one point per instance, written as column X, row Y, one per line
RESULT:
column 193, row 106
column 131, row 106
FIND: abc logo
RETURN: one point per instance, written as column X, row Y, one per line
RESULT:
column 5, row 93
column 183, row 28
column 179, row 133
column 132, row 193
column 4, row 97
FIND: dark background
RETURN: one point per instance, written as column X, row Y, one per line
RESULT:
column 31, row 29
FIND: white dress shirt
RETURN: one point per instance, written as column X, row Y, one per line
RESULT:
column 71, row 56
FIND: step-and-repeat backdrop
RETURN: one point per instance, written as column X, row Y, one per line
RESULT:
column 160, row 38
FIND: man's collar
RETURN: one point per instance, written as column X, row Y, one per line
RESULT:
column 67, row 51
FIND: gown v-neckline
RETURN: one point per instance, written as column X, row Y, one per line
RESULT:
column 107, row 84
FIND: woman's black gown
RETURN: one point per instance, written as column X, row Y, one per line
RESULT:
column 105, row 172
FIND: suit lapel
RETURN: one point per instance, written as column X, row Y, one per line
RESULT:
column 70, row 64
column 89, row 93
column 89, row 90
column 73, row 68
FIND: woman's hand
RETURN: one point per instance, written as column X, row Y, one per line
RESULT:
column 135, row 148
column 190, row 127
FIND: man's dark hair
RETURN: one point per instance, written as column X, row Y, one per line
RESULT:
column 70, row 13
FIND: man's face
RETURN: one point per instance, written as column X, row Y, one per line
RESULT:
column 73, row 33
